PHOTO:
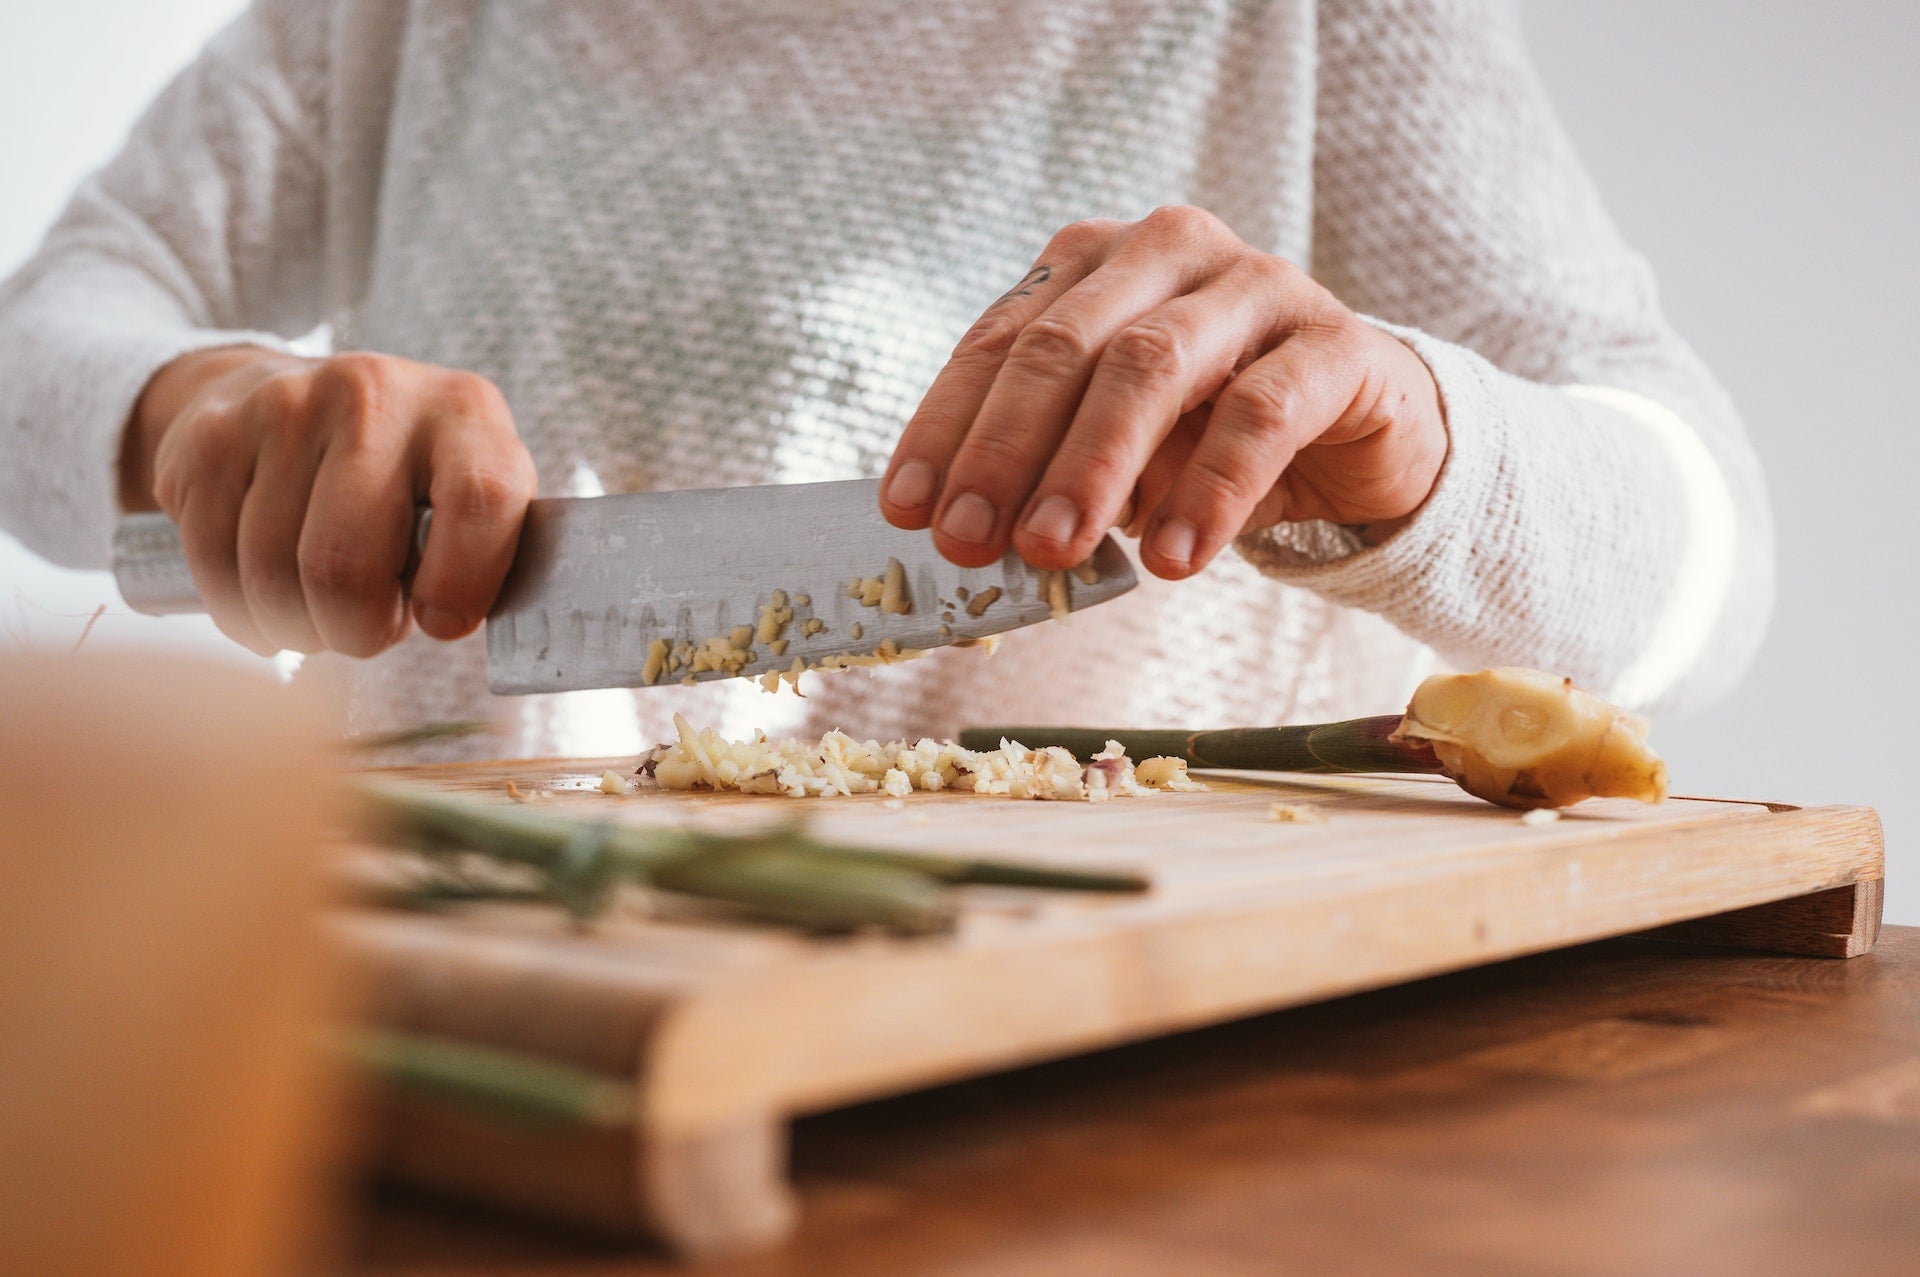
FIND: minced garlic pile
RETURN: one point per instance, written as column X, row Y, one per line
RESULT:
column 839, row 764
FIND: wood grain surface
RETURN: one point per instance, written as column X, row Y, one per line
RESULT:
column 728, row 1031
column 1629, row 1106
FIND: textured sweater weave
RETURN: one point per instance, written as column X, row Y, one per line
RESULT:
column 700, row 243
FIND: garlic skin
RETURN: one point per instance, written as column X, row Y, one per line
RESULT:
column 1526, row 739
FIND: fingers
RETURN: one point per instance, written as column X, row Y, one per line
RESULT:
column 318, row 548
column 209, row 525
column 1030, row 407
column 353, row 547
column 478, row 478
column 1278, row 405
column 1163, row 364
column 1039, row 385
column 1168, row 460
column 267, row 550
column 918, row 469
column 293, row 483
column 201, row 479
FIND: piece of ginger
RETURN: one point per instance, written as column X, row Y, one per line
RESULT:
column 1523, row 738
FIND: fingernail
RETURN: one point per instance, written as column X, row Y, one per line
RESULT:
column 911, row 485
column 1174, row 541
column 970, row 518
column 1056, row 519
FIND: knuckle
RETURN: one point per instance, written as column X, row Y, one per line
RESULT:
column 988, row 341
column 1078, row 238
column 1184, row 222
column 482, row 490
column 987, row 459
column 1052, row 344
column 1095, row 471
column 355, row 368
column 282, row 399
column 1276, row 273
column 336, row 569
column 353, row 385
column 1260, row 402
column 1148, row 351
column 470, row 395
column 1221, row 484
column 211, row 458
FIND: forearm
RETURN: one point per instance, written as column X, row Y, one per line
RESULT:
column 206, row 230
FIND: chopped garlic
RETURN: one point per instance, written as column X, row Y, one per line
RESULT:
column 1296, row 814
column 837, row 764
column 657, row 654
column 774, row 618
column 1053, row 587
column 612, row 782
column 1168, row 773
column 978, row 605
column 1085, row 573
column 893, row 591
column 1540, row 816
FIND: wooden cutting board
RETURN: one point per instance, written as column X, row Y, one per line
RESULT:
column 727, row 1030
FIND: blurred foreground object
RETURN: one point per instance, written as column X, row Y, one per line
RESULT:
column 163, row 1099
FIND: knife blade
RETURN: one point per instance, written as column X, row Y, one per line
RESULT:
column 597, row 580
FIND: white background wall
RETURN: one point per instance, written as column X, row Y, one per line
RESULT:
column 1764, row 156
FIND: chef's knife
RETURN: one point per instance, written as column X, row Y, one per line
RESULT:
column 597, row 579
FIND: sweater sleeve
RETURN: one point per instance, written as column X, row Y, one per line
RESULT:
column 1600, row 512
column 205, row 230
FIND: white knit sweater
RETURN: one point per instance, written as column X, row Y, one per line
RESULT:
column 711, row 242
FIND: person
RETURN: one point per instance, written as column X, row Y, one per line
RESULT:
column 1312, row 298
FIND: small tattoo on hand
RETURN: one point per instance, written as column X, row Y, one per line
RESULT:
column 1038, row 275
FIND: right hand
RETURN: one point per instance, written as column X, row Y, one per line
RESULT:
column 293, row 482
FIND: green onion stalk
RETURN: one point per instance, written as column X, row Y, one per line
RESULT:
column 1356, row 745
column 782, row 874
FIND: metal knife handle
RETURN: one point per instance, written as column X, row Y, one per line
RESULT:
column 150, row 567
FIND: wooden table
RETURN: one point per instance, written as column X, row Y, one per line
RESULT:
column 1630, row 1106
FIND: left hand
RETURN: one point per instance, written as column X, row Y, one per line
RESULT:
column 1165, row 377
